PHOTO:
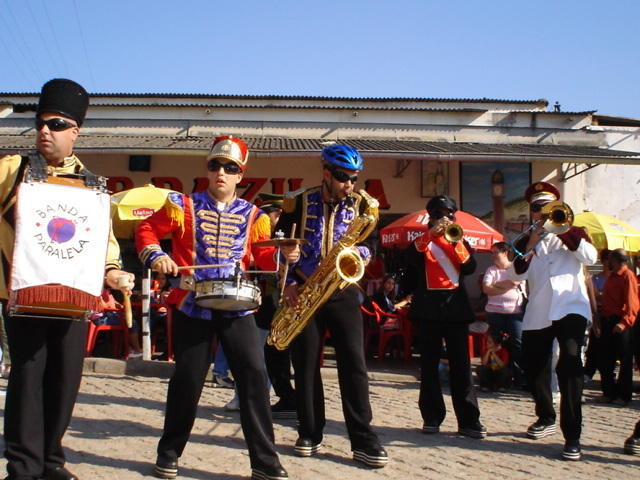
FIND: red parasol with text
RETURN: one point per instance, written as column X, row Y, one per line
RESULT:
column 480, row 235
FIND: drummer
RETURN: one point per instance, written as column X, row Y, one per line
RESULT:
column 213, row 227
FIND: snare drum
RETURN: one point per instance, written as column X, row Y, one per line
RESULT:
column 228, row 294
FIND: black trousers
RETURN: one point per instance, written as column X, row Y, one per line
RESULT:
column 463, row 394
column 279, row 370
column 192, row 343
column 537, row 352
column 341, row 316
column 47, row 358
column 616, row 346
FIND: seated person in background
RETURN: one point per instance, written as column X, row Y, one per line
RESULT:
column 494, row 373
column 109, row 316
column 385, row 296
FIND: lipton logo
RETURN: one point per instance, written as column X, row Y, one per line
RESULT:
column 142, row 212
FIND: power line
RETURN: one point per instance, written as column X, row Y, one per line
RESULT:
column 17, row 64
column 42, row 39
column 26, row 53
column 21, row 53
column 84, row 45
column 55, row 37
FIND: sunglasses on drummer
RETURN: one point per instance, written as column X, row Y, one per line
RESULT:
column 54, row 124
column 340, row 176
column 230, row 168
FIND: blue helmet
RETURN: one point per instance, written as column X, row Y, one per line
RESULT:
column 342, row 156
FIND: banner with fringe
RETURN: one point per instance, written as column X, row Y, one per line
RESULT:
column 62, row 234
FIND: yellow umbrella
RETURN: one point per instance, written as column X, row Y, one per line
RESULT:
column 131, row 206
column 609, row 232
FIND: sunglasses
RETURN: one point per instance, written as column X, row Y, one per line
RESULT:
column 340, row 176
column 230, row 168
column 54, row 124
column 536, row 207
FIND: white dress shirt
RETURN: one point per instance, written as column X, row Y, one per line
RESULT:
column 556, row 282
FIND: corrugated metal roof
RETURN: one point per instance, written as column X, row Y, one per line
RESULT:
column 200, row 145
column 294, row 97
column 26, row 107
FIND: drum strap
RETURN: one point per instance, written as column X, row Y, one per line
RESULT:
column 38, row 172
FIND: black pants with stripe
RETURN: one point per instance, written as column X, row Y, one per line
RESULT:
column 341, row 316
column 47, row 358
column 193, row 339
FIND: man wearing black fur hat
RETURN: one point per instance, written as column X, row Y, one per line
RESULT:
column 47, row 354
column 441, row 308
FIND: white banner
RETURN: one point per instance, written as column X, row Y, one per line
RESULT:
column 62, row 233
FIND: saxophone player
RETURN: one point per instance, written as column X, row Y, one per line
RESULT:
column 322, row 215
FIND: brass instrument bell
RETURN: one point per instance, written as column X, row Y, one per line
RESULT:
column 453, row 233
column 557, row 216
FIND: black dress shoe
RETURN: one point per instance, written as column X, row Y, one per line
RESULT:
column 375, row 457
column 306, row 447
column 572, row 451
column 632, row 445
column 166, row 468
column 269, row 473
column 475, row 430
column 59, row 473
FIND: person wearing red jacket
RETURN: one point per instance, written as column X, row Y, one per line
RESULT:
column 620, row 307
column 216, row 231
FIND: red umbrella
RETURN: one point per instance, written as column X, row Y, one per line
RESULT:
column 406, row 229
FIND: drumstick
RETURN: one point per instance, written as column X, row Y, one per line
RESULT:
column 285, row 269
column 123, row 283
column 212, row 265
column 128, row 315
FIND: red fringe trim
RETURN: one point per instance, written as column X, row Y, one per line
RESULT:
column 56, row 294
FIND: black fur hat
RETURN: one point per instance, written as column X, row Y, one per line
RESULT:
column 65, row 97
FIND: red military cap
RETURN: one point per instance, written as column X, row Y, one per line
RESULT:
column 541, row 192
column 231, row 148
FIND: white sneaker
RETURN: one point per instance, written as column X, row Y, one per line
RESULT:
column 233, row 405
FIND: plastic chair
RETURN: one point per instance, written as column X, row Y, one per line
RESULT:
column 403, row 330
column 119, row 336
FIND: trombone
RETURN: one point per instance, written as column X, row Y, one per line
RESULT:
column 556, row 217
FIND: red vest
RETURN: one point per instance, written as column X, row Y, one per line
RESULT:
column 442, row 261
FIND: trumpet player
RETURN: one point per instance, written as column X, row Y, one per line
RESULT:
column 559, row 309
column 440, row 306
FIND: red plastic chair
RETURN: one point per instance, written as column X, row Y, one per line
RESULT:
column 119, row 336
column 403, row 330
column 481, row 339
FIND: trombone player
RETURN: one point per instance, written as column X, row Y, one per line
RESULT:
column 558, row 308
column 437, row 261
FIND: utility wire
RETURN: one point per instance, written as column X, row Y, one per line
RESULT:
column 24, row 75
column 19, row 48
column 84, row 45
column 43, row 41
column 55, row 37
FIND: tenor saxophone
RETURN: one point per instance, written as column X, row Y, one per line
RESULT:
column 340, row 267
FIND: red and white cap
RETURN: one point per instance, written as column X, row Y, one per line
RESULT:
column 231, row 148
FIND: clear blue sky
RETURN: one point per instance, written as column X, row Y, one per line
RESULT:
column 584, row 54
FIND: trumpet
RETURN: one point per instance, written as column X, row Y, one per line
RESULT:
column 453, row 233
column 556, row 217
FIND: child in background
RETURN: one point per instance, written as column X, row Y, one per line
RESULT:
column 494, row 374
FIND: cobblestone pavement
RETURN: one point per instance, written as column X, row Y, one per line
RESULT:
column 118, row 420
